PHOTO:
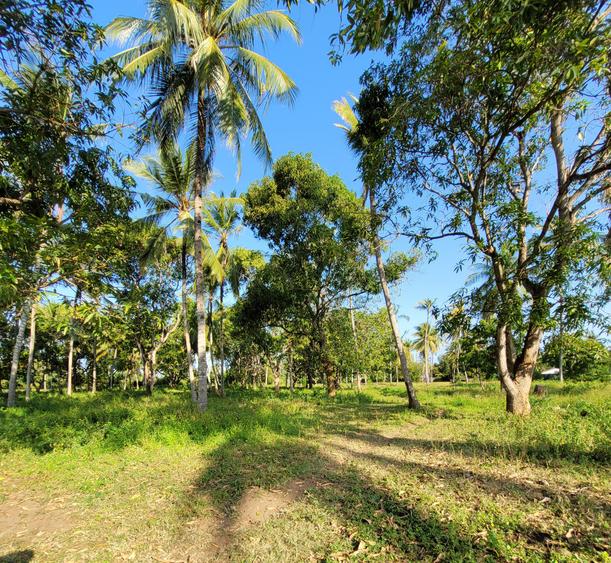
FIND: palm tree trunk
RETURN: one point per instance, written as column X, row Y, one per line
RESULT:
column 70, row 367
column 356, row 344
column 185, row 322
column 200, row 303
column 222, row 338
column 12, row 385
column 215, row 377
column 411, row 392
column 71, row 345
column 31, row 346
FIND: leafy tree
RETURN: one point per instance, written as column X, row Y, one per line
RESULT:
column 57, row 185
column 316, row 228
column 467, row 125
column 199, row 57
column 359, row 134
column 373, row 24
column 427, row 342
column 145, row 293
column 583, row 356
column 171, row 173
column 222, row 220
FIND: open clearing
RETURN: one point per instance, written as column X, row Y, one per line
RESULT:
column 306, row 478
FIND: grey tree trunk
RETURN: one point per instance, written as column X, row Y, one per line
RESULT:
column 290, row 373
column 31, row 347
column 561, row 354
column 71, row 345
column 356, row 344
column 200, row 173
column 411, row 392
column 222, row 339
column 185, row 323
column 517, row 383
column 94, row 371
column 12, row 384
column 70, row 361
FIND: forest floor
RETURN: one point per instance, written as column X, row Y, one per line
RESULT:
column 120, row 476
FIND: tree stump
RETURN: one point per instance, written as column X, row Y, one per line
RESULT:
column 540, row 390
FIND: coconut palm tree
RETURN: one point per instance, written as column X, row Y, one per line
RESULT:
column 426, row 305
column 171, row 173
column 222, row 220
column 358, row 141
column 200, row 58
column 427, row 342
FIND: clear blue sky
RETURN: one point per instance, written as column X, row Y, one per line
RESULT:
column 307, row 126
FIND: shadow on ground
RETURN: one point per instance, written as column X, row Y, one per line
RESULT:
column 22, row 556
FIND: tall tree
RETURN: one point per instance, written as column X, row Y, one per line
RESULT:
column 427, row 342
column 171, row 172
column 358, row 134
column 467, row 127
column 222, row 219
column 201, row 60
column 317, row 229
column 426, row 305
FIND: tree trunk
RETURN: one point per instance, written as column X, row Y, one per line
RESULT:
column 356, row 345
column 153, row 372
column 185, row 322
column 561, row 335
column 94, row 371
column 70, row 367
column 146, row 365
column 276, row 379
column 214, row 378
column 200, row 302
column 111, row 368
column 77, row 297
column 23, row 321
column 290, row 373
column 31, row 346
column 517, row 384
column 411, row 392
column 327, row 365
column 222, row 338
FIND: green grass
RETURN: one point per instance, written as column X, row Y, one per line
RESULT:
column 124, row 476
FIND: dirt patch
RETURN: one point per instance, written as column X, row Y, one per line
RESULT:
column 258, row 505
column 23, row 519
column 213, row 535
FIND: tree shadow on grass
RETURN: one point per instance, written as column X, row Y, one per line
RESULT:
column 391, row 525
column 365, row 511
column 22, row 556
column 543, row 453
column 559, row 499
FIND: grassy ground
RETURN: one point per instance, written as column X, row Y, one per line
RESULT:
column 303, row 478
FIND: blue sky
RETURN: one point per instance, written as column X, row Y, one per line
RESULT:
column 307, row 127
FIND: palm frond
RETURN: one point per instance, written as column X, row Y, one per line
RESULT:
column 125, row 30
column 272, row 22
column 346, row 113
column 257, row 132
column 269, row 77
column 8, row 82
